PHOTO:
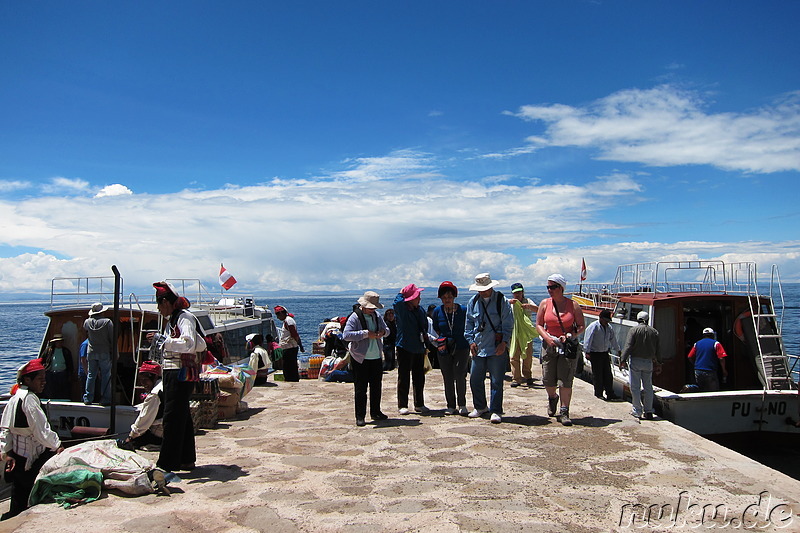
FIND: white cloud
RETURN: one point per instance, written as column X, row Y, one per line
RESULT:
column 667, row 126
column 376, row 224
column 61, row 185
column 14, row 185
column 113, row 190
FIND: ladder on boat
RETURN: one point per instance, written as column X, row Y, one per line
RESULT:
column 773, row 368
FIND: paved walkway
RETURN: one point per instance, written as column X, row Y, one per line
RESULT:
column 297, row 462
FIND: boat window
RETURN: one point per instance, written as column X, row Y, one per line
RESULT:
column 628, row 311
column 665, row 324
column 205, row 323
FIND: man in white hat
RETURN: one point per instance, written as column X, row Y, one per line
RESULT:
column 488, row 331
column 708, row 356
column 100, row 332
column 641, row 354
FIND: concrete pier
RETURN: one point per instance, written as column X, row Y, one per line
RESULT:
column 297, row 462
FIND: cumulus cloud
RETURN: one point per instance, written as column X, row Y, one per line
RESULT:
column 113, row 190
column 666, row 126
column 381, row 222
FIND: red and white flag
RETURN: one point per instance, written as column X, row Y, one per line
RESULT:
column 583, row 269
column 225, row 279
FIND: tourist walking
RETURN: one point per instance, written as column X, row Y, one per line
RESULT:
column 364, row 333
column 598, row 340
column 488, row 328
column 559, row 322
column 449, row 320
column 522, row 358
column 290, row 343
column 412, row 332
column 642, row 356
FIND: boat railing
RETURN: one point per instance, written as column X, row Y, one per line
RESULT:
column 219, row 308
column 68, row 292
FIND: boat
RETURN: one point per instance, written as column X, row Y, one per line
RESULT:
column 684, row 297
column 226, row 321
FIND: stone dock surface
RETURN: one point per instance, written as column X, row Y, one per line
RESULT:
column 297, row 462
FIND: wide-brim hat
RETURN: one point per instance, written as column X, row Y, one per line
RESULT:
column 96, row 309
column 370, row 300
column 410, row 292
column 483, row 282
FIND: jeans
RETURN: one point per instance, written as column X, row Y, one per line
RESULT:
column 706, row 381
column 641, row 376
column 496, row 366
column 368, row 374
column 454, row 374
column 101, row 367
column 410, row 366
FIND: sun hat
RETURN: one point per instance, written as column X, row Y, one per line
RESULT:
column 370, row 300
column 447, row 286
column 483, row 282
column 517, row 287
column 558, row 278
column 150, row 367
column 708, row 331
column 642, row 316
column 96, row 309
column 410, row 292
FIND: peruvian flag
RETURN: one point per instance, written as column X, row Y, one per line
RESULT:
column 225, row 279
column 583, row 269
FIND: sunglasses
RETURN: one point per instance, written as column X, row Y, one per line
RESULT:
column 553, row 287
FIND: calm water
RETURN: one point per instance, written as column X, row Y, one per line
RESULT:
column 22, row 325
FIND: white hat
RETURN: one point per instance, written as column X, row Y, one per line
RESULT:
column 708, row 331
column 483, row 282
column 370, row 300
column 249, row 337
column 642, row 316
column 96, row 309
column 558, row 278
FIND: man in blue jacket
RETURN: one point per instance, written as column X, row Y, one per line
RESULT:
column 488, row 331
column 412, row 329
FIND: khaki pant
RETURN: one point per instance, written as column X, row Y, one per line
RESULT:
column 521, row 368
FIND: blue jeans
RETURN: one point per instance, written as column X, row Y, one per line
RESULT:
column 496, row 366
column 103, row 368
column 641, row 376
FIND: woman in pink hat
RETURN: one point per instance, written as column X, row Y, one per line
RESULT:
column 412, row 331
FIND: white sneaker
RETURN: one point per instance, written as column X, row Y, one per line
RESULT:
column 496, row 419
column 478, row 412
column 421, row 409
column 450, row 411
column 463, row 411
column 404, row 411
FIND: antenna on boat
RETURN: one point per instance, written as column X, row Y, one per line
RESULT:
column 115, row 349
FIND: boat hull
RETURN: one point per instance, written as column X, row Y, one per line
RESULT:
column 63, row 416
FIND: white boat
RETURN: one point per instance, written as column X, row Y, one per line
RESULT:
column 684, row 297
column 226, row 320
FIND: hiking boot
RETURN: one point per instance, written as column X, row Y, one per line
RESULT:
column 552, row 406
column 564, row 415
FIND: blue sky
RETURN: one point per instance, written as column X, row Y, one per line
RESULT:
column 351, row 145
